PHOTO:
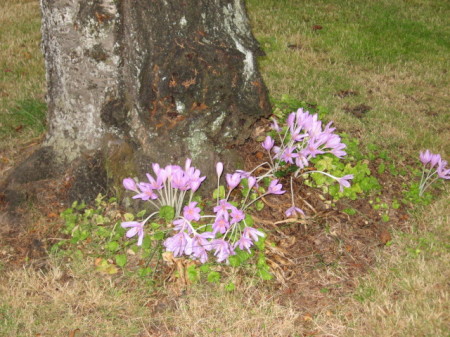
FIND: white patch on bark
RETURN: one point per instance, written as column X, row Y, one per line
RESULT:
column 183, row 22
column 235, row 20
column 218, row 122
column 180, row 106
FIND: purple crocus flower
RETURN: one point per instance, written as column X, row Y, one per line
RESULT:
column 222, row 208
column 222, row 249
column 136, row 228
column 220, row 225
column 288, row 155
column 425, row 157
column 199, row 245
column 177, row 244
column 275, row 188
column 312, row 149
column 297, row 136
column 291, row 119
column 294, row 212
column 243, row 243
column 442, row 171
column 233, row 180
column 180, row 181
column 130, row 184
column 191, row 212
column 344, row 181
column 155, row 184
column 435, row 159
column 146, row 192
column 236, row 215
column 301, row 160
column 181, row 225
column 275, row 126
column 252, row 233
column 268, row 143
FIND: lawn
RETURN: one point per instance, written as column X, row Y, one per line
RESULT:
column 374, row 266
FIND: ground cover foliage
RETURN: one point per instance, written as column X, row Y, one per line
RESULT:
column 372, row 261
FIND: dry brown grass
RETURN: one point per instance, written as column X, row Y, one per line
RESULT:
column 63, row 299
column 407, row 293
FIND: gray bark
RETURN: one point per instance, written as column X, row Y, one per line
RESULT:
column 134, row 82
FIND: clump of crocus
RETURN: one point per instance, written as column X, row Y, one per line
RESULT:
column 195, row 234
column 302, row 139
column 434, row 167
column 229, row 228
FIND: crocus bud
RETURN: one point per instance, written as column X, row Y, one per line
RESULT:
column 129, row 184
column 219, row 169
column 268, row 143
column 187, row 165
column 251, row 182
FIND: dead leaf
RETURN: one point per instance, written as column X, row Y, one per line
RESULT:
column 259, row 155
column 103, row 266
column 307, row 317
column 385, row 236
column 317, row 27
column 73, row 332
column 199, row 106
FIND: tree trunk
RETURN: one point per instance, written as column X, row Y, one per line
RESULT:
column 135, row 82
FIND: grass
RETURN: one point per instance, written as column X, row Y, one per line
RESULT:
column 407, row 293
column 392, row 54
column 22, row 76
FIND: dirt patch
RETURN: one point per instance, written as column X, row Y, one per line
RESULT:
column 317, row 259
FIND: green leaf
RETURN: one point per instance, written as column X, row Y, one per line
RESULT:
column 113, row 246
column 214, row 277
column 259, row 205
column 141, row 213
column 159, row 235
column 205, row 268
column 261, row 243
column 234, row 261
column 167, row 213
column 142, row 272
column 350, row 211
column 121, row 260
column 230, row 286
column 128, row 217
column 249, row 220
column 146, row 242
column 265, row 274
column 193, row 274
column 103, row 232
column 219, row 193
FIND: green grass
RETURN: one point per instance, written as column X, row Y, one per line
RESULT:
column 394, row 54
column 22, row 79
